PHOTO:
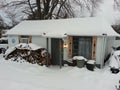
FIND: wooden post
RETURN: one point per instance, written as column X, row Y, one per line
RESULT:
column 70, row 40
column 30, row 39
column 19, row 39
column 94, row 41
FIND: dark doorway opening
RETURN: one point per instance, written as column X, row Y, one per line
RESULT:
column 56, row 51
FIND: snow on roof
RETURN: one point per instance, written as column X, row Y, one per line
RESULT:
column 92, row 26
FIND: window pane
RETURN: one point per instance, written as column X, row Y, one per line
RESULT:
column 24, row 40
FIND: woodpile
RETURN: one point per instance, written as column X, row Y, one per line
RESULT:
column 38, row 56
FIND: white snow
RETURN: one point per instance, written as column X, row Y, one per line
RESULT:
column 115, row 59
column 79, row 58
column 93, row 26
column 91, row 62
column 29, row 46
column 25, row 76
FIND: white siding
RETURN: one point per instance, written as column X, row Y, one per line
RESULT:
column 39, row 41
column 12, row 40
column 65, row 50
column 101, row 50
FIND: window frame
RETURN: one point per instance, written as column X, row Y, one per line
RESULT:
column 22, row 38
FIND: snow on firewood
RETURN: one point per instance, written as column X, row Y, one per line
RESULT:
column 29, row 52
column 29, row 46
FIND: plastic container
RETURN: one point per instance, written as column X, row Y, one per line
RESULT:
column 90, row 65
column 80, row 63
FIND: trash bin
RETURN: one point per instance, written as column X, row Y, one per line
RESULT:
column 80, row 63
column 90, row 65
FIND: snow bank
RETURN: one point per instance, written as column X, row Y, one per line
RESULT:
column 25, row 76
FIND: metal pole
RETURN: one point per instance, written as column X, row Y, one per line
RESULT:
column 47, row 52
column 60, row 56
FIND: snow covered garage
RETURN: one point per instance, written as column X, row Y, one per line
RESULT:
column 65, row 38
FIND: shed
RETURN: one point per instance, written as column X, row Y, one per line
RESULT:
column 64, row 38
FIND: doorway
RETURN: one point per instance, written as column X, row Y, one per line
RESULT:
column 56, row 51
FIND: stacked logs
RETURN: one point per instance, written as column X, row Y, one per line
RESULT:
column 38, row 56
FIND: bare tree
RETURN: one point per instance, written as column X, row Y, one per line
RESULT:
column 117, row 4
column 49, row 9
column 88, row 6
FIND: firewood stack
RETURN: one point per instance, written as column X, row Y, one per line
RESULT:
column 37, row 56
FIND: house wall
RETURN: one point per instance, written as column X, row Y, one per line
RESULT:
column 65, row 50
column 38, row 40
column 101, row 50
column 104, row 47
column 12, row 40
column 42, row 41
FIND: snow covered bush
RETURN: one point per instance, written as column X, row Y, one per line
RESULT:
column 118, row 87
column 115, row 61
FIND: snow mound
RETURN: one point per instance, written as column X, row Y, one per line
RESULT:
column 115, row 60
column 29, row 46
column 91, row 62
column 79, row 58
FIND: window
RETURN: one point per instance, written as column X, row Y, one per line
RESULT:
column 117, row 38
column 82, row 46
column 25, row 39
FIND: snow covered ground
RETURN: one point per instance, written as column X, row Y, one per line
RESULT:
column 25, row 76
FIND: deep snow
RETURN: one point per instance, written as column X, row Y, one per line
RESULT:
column 25, row 76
